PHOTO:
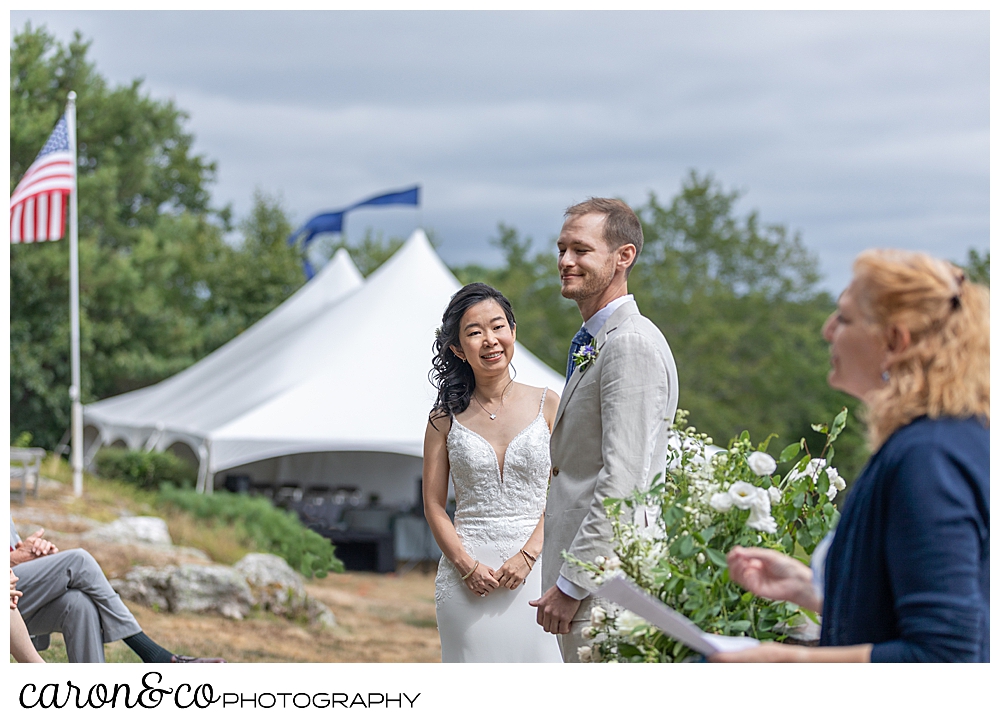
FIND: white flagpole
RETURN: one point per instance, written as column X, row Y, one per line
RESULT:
column 76, row 412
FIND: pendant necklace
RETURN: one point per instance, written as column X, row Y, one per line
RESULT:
column 493, row 415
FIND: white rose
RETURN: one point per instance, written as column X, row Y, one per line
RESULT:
column 775, row 494
column 613, row 563
column 598, row 615
column 589, row 632
column 761, row 520
column 743, row 494
column 600, row 560
column 760, row 513
column 761, row 501
column 813, row 468
column 721, row 502
column 586, row 655
column 628, row 621
column 762, row 463
column 835, row 479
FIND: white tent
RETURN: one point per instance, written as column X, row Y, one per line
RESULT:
column 330, row 389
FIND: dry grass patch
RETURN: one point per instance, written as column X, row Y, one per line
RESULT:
column 224, row 543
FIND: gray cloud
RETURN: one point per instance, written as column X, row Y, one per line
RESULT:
column 857, row 129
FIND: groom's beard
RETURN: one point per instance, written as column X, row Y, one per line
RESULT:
column 592, row 282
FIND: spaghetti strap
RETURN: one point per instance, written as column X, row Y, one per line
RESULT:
column 541, row 404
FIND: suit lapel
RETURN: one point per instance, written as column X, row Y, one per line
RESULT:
column 571, row 385
column 626, row 309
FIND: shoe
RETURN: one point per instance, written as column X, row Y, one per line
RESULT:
column 189, row 659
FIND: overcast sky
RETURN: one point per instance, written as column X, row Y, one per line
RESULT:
column 856, row 129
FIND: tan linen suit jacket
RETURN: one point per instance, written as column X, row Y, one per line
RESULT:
column 609, row 438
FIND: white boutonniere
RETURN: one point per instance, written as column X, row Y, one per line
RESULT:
column 586, row 356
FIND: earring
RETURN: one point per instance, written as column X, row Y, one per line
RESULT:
column 885, row 375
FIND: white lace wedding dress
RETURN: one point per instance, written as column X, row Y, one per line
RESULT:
column 495, row 515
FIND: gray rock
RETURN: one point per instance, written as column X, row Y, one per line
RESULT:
column 319, row 614
column 278, row 588
column 266, row 572
column 258, row 580
column 147, row 530
column 145, row 585
column 215, row 589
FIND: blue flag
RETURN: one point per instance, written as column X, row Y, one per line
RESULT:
column 333, row 221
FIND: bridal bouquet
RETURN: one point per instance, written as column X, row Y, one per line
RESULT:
column 672, row 539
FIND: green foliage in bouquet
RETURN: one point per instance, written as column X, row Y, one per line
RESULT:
column 270, row 529
column 672, row 539
column 144, row 469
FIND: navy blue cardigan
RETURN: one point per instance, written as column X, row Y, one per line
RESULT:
column 909, row 567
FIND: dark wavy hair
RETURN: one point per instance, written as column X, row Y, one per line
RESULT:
column 452, row 377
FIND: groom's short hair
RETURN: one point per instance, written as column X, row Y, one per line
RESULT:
column 621, row 225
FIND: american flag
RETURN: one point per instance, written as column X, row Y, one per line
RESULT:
column 38, row 204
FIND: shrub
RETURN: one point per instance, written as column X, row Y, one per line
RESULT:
column 269, row 528
column 147, row 470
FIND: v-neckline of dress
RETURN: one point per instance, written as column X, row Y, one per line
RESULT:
column 501, row 468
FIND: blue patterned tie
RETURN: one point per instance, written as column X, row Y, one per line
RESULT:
column 580, row 340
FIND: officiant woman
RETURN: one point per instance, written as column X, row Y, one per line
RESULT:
column 906, row 575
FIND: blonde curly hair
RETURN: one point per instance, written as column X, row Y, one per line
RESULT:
column 945, row 371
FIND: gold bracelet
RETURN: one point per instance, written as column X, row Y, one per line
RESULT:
column 532, row 557
column 467, row 575
column 527, row 561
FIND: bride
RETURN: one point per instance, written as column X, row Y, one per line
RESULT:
column 491, row 435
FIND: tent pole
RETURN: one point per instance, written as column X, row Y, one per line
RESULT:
column 209, row 474
column 202, row 468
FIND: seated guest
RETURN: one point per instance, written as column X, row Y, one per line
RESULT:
column 66, row 592
column 907, row 571
column 20, row 642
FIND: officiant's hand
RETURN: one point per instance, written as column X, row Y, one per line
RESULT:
column 764, row 653
column 770, row 574
column 555, row 610
column 781, row 653
column 512, row 573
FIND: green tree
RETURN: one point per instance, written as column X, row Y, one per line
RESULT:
column 738, row 302
column 159, row 285
column 256, row 275
column 977, row 267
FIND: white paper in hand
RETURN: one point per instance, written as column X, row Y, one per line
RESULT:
column 627, row 594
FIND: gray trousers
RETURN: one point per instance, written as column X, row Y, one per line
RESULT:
column 67, row 593
column 570, row 643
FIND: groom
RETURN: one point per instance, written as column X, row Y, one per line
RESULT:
column 610, row 431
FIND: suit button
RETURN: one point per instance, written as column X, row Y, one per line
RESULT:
column 555, row 471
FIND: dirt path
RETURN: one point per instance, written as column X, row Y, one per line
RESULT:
column 381, row 619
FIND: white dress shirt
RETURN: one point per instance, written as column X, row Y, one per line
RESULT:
column 592, row 325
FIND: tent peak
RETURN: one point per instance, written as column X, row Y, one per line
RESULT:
column 341, row 267
column 418, row 237
column 415, row 257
